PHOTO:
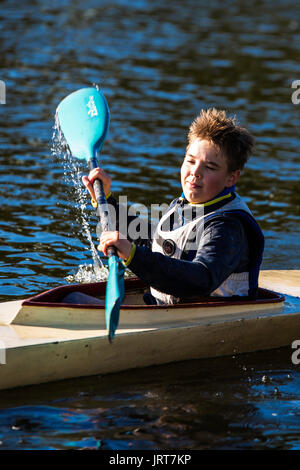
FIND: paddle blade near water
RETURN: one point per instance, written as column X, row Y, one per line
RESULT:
column 84, row 120
column 114, row 295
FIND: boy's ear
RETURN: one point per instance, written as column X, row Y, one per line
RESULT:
column 233, row 177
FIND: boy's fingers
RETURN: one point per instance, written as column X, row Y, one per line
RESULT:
column 97, row 173
column 107, row 239
column 85, row 181
column 104, row 245
column 89, row 186
column 92, row 174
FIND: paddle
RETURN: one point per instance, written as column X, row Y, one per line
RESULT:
column 83, row 117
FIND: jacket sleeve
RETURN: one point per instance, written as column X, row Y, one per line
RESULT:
column 222, row 250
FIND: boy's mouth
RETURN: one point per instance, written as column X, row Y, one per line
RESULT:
column 194, row 185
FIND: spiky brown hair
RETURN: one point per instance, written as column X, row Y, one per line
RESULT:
column 224, row 131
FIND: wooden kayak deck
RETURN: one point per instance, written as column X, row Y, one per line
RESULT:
column 41, row 353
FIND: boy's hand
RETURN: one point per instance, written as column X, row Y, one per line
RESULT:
column 97, row 173
column 116, row 239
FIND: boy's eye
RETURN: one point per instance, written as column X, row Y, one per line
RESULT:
column 189, row 160
column 210, row 168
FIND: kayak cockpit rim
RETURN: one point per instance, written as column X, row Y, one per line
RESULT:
column 52, row 298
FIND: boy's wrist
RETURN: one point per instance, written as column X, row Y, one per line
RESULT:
column 127, row 261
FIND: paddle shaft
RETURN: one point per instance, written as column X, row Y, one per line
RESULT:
column 84, row 119
column 102, row 207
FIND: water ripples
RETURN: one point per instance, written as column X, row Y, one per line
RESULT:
column 231, row 403
column 158, row 63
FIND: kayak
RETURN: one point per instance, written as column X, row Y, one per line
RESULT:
column 45, row 339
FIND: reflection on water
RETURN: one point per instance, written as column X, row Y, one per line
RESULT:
column 243, row 402
column 158, row 64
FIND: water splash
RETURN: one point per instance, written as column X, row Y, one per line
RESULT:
column 92, row 273
column 89, row 273
column 72, row 176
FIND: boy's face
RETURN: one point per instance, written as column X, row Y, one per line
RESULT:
column 204, row 172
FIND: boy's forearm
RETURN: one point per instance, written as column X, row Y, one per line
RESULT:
column 169, row 275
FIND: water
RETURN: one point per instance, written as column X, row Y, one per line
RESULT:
column 158, row 64
column 242, row 402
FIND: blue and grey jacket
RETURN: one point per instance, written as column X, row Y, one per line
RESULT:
column 210, row 249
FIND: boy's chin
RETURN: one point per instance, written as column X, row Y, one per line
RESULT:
column 195, row 201
column 194, row 198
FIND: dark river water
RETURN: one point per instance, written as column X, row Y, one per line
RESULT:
column 158, row 63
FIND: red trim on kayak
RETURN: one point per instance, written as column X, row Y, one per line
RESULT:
column 52, row 298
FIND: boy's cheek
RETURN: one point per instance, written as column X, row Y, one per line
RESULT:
column 184, row 170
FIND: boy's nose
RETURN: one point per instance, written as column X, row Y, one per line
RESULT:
column 197, row 171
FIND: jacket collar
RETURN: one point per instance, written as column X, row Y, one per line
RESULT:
column 220, row 199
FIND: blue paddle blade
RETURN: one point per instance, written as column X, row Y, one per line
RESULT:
column 84, row 120
column 114, row 295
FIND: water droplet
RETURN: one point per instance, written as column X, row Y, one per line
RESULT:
column 72, row 176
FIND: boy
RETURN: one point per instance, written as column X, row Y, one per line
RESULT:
column 216, row 252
